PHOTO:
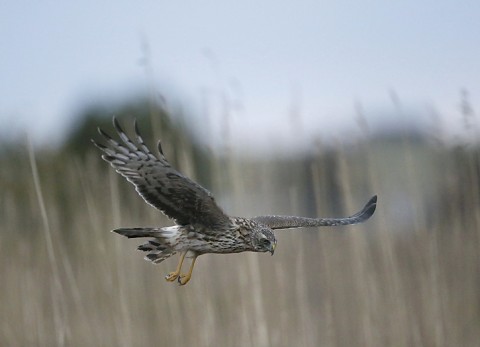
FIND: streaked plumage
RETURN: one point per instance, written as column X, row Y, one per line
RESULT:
column 202, row 226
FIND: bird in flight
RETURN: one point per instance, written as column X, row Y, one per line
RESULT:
column 201, row 225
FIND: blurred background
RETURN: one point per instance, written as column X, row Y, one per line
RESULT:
column 304, row 108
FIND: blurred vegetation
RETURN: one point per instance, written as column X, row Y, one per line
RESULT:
column 152, row 118
column 408, row 277
column 78, row 150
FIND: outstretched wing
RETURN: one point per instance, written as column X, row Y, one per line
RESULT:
column 158, row 183
column 287, row 222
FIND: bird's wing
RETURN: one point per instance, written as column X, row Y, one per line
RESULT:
column 287, row 222
column 158, row 183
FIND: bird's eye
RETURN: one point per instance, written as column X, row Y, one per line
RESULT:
column 266, row 242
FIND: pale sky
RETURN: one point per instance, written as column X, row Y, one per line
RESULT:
column 271, row 59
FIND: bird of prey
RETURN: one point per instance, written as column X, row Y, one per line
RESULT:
column 201, row 225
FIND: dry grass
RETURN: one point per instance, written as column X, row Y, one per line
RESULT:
column 65, row 280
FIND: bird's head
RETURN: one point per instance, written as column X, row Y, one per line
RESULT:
column 264, row 240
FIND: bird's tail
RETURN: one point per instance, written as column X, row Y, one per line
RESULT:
column 159, row 248
column 138, row 232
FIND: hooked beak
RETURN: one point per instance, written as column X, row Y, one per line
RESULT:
column 272, row 248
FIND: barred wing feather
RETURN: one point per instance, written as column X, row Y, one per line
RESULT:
column 158, row 183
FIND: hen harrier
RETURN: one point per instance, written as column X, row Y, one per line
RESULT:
column 202, row 227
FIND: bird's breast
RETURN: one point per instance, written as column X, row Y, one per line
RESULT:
column 204, row 240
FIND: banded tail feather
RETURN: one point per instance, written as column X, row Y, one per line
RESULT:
column 138, row 232
column 159, row 248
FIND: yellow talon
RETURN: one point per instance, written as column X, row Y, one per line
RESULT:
column 184, row 278
column 172, row 276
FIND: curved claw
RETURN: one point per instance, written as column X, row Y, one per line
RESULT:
column 184, row 278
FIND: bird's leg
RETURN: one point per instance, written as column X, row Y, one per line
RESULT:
column 184, row 278
column 172, row 276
